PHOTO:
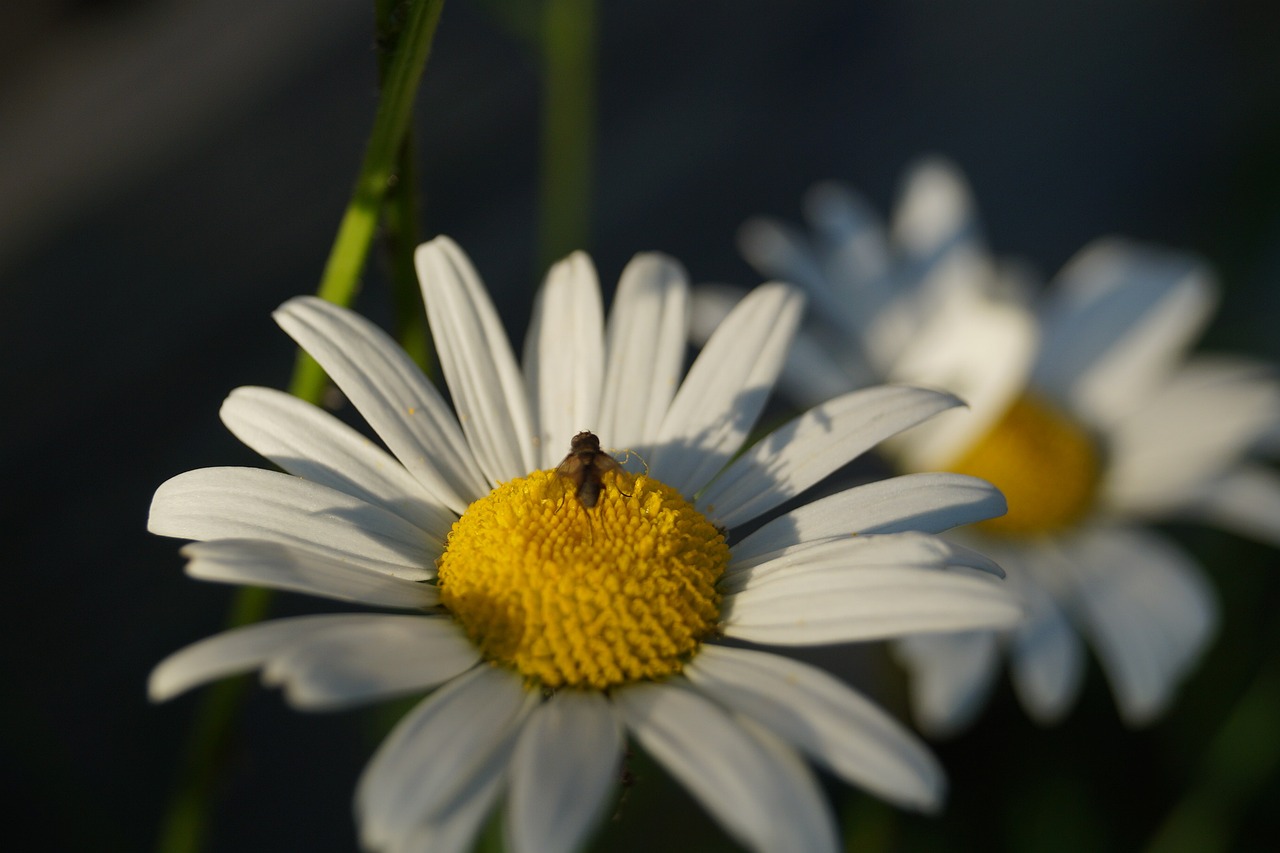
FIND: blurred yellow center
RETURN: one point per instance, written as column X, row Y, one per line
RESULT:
column 1045, row 463
column 576, row 597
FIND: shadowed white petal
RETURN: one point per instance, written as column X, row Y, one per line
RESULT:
column 794, row 457
column 880, row 549
column 249, row 503
column 239, row 650
column 822, row 716
column 1046, row 657
column 564, row 356
column 726, row 389
column 310, row 443
column 439, row 755
column 477, row 362
column 1148, row 611
column 276, row 566
column 761, row 794
column 977, row 347
column 1245, row 500
column 645, row 342
column 1118, row 317
column 819, row 365
column 392, row 395
column 1196, row 425
column 950, row 677
column 838, row 604
column 453, row 828
column 376, row 658
column 930, row 503
column 564, row 768
column 854, row 253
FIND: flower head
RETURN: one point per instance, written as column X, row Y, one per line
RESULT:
column 1085, row 409
column 559, row 606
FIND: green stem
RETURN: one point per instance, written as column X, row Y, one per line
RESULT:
column 1240, row 759
column 568, row 128
column 185, row 825
column 341, row 277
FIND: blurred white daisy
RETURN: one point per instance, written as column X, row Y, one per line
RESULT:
column 1085, row 409
column 555, row 622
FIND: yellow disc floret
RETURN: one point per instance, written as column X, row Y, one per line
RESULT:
column 1045, row 463
column 576, row 597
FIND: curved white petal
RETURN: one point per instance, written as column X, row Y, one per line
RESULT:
column 1118, row 316
column 726, row 389
column 1208, row 415
column 391, row 393
column 275, row 566
column 839, row 604
column 877, row 549
column 930, row 503
column 760, row 793
column 1046, row 657
column 1148, row 611
column 826, row 719
column 477, row 362
column 310, row 443
column 249, row 503
column 564, row 356
column 239, row 650
column 645, row 344
column 1244, row 500
column 565, row 766
column 376, row 658
column 325, row 662
column 439, row 756
column 807, row 449
column 950, row 677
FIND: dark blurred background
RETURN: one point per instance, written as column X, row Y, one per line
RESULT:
column 172, row 171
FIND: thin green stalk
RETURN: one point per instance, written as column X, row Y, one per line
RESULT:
column 185, row 825
column 341, row 277
column 1239, row 761
column 568, row 127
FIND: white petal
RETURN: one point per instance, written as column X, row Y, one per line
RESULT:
column 564, row 356
column 828, row 720
column 477, row 362
column 1148, row 611
column 839, row 604
column 645, row 342
column 977, row 347
column 819, row 366
column 276, row 566
column 926, row 502
column 249, row 503
column 564, row 768
column 950, row 677
column 935, row 211
column 855, row 256
column 879, row 549
column 376, row 658
column 761, row 795
column 310, row 443
column 1118, row 316
column 1046, row 657
column 1245, row 500
column 391, row 393
column 1199, row 423
column 440, row 754
column 726, row 389
column 804, row 451
column 239, row 650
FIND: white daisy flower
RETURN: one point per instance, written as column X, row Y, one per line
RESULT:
column 1085, row 409
column 562, row 607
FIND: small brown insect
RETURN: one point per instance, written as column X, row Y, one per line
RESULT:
column 585, row 465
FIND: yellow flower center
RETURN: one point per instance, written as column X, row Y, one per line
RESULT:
column 1045, row 463
column 577, row 597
